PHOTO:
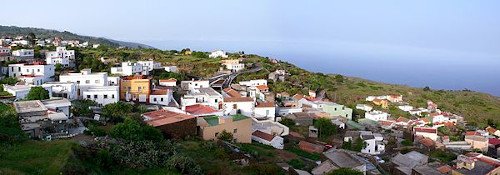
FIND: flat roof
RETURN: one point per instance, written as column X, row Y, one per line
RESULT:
column 29, row 106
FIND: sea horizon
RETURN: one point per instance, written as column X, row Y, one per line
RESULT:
column 410, row 66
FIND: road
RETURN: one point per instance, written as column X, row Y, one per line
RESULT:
column 229, row 78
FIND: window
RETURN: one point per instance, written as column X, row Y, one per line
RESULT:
column 88, row 96
column 97, row 81
column 216, row 134
column 154, row 99
column 216, row 100
column 87, row 81
column 235, row 106
column 113, row 96
column 19, row 69
column 335, row 109
column 77, row 82
column 161, row 99
column 95, row 96
column 105, row 96
column 38, row 70
column 235, row 131
column 139, row 88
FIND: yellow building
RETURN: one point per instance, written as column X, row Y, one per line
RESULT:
column 135, row 88
column 238, row 125
column 383, row 103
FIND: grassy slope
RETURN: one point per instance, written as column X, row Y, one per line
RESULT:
column 35, row 157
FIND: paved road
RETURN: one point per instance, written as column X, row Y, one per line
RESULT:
column 229, row 78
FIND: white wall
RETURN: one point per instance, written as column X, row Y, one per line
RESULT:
column 265, row 112
column 102, row 95
column 246, row 108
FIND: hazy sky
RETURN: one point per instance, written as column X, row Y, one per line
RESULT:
column 446, row 25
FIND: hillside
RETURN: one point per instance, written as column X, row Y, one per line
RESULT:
column 13, row 31
column 476, row 107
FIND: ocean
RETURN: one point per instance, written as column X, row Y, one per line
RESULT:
column 416, row 67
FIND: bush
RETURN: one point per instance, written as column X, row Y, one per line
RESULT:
column 37, row 93
column 184, row 164
column 296, row 163
column 134, row 130
column 345, row 171
column 287, row 122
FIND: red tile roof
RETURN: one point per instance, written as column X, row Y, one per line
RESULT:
column 445, row 169
column 262, row 87
column 494, row 141
column 169, row 80
column 426, row 142
column 385, row 123
column 238, row 99
column 232, row 92
column 159, row 92
column 402, row 119
column 263, row 135
column 471, row 133
column 164, row 117
column 427, row 130
column 311, row 147
column 266, row 104
column 199, row 109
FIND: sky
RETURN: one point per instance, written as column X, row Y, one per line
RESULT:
column 460, row 32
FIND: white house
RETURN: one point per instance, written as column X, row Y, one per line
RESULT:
column 130, row 68
column 283, row 111
column 265, row 110
column 171, row 82
column 170, row 68
column 62, row 89
column 338, row 123
column 24, row 53
column 374, row 143
column 150, row 65
column 85, row 79
column 31, row 79
column 4, row 51
column 253, row 83
column 205, row 96
column 46, row 71
column 430, row 133
column 193, row 84
column 233, row 65
column 217, row 54
column 395, row 98
column 364, row 107
column 268, row 139
column 439, row 118
column 58, row 105
column 376, row 115
column 406, row 108
column 160, row 97
column 103, row 95
column 20, row 91
column 60, row 56
column 243, row 105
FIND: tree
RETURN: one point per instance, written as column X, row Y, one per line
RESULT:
column 116, row 112
column 287, row 122
column 134, row 130
column 37, row 93
column 10, row 129
column 358, row 145
column 225, row 136
column 184, row 164
column 9, row 80
column 59, row 67
column 80, row 108
column 345, row 171
column 31, row 38
column 427, row 88
column 199, row 55
column 325, row 127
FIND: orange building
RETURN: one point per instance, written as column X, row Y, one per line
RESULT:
column 135, row 88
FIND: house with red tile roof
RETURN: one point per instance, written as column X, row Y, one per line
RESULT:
column 311, row 147
column 477, row 164
column 200, row 110
column 161, row 96
column 430, row 133
column 172, row 124
column 171, row 82
column 268, row 139
column 241, row 105
column 229, row 92
column 265, row 110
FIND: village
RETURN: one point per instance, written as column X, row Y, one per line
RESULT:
column 312, row 134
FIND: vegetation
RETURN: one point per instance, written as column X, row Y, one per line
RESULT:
column 81, row 108
column 443, row 156
column 35, row 157
column 345, row 171
column 37, row 93
column 325, row 127
column 407, row 143
column 10, row 130
column 357, row 145
column 226, row 136
column 134, row 130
